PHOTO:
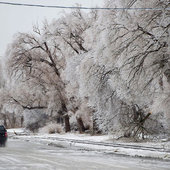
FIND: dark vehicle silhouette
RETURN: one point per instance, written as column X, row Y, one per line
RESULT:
column 3, row 135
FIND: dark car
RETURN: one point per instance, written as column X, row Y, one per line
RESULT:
column 3, row 135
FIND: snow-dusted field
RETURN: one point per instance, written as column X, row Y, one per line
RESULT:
column 27, row 155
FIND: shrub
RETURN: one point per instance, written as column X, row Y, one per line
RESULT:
column 52, row 128
column 34, row 119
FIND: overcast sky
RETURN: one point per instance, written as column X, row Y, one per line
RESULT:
column 15, row 19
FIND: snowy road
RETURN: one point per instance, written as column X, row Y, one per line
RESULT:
column 26, row 155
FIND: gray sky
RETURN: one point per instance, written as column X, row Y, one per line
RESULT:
column 15, row 19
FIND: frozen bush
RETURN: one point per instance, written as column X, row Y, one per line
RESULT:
column 52, row 128
column 73, row 123
column 34, row 119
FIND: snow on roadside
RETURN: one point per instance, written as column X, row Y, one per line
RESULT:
column 16, row 130
column 77, row 136
column 88, row 142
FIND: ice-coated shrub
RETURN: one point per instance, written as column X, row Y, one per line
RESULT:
column 52, row 128
column 34, row 119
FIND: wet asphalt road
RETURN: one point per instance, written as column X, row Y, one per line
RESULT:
column 20, row 155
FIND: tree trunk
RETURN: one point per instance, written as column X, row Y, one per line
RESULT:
column 22, row 121
column 5, row 120
column 67, row 123
column 13, row 121
column 94, row 129
column 80, row 125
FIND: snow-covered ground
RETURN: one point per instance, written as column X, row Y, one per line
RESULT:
column 104, row 143
column 33, row 156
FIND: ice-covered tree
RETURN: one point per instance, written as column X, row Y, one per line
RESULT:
column 129, row 63
column 38, row 59
column 108, row 68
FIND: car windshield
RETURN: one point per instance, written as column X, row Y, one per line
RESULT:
column 2, row 128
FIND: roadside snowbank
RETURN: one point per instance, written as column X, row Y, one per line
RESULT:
column 16, row 130
column 104, row 143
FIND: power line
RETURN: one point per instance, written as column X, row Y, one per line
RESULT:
column 74, row 7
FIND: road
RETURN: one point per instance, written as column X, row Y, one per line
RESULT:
column 21, row 155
